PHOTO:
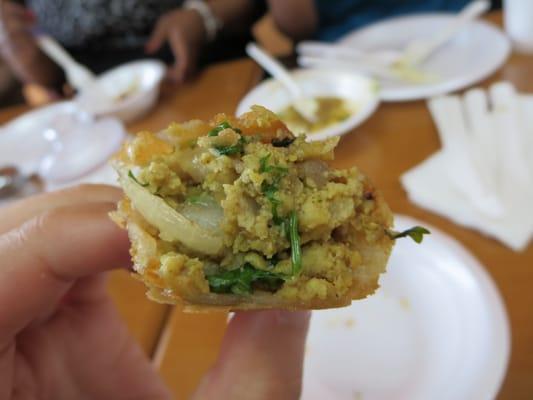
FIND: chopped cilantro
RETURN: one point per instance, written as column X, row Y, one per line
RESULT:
column 264, row 167
column 294, row 237
column 199, row 199
column 241, row 281
column 270, row 189
column 416, row 233
column 230, row 150
column 130, row 174
column 219, row 128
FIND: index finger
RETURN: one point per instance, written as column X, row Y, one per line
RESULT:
column 17, row 213
column 182, row 59
column 42, row 259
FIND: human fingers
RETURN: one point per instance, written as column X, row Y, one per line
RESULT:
column 17, row 213
column 182, row 57
column 43, row 258
column 15, row 17
column 15, row 10
column 158, row 36
column 261, row 357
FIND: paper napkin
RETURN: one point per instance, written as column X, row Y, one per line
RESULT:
column 483, row 175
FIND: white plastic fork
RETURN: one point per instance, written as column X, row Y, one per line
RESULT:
column 364, row 66
column 419, row 50
column 313, row 49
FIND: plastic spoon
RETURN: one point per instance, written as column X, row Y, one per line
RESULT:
column 78, row 76
column 305, row 106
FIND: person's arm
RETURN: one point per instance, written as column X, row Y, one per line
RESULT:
column 19, row 49
column 298, row 19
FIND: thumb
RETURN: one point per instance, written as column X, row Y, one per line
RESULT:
column 43, row 258
column 261, row 357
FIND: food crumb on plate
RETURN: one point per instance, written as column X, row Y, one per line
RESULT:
column 349, row 323
column 405, row 303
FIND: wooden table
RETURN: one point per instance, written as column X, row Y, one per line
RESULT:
column 393, row 140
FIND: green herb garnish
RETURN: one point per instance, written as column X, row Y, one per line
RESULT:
column 230, row 150
column 130, row 174
column 219, row 128
column 242, row 280
column 276, row 169
column 270, row 189
column 294, row 237
column 416, row 233
column 285, row 142
column 199, row 199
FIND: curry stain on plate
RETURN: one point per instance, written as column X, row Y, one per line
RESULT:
column 328, row 111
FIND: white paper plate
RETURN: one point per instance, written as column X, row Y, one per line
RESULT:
column 137, row 81
column 436, row 329
column 21, row 140
column 359, row 90
column 474, row 54
column 23, row 144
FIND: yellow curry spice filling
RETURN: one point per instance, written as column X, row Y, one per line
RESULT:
column 237, row 212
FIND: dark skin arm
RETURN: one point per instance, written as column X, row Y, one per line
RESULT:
column 297, row 19
column 19, row 49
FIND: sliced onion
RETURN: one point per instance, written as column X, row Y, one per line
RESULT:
column 172, row 226
column 188, row 162
column 208, row 214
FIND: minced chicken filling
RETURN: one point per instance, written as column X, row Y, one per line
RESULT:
column 289, row 224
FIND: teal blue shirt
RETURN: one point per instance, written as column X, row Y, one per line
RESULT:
column 338, row 17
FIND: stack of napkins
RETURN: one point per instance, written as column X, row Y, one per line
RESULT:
column 483, row 175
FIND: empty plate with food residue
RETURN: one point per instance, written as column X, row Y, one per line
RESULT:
column 437, row 319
